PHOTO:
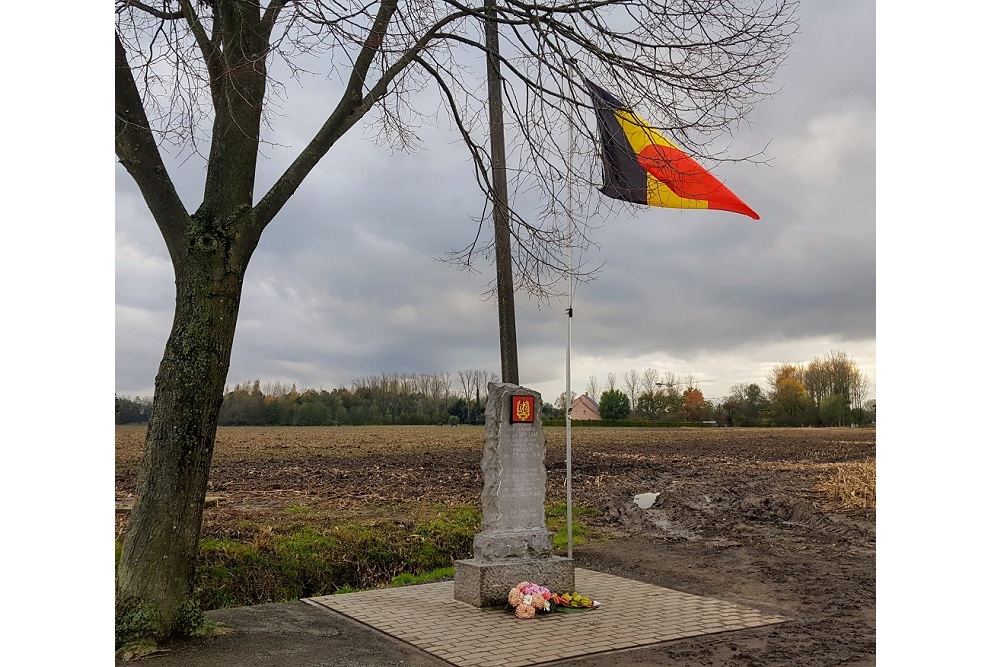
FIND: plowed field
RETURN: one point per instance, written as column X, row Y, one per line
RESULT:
column 738, row 515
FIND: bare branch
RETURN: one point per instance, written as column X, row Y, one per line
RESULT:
column 270, row 16
column 153, row 11
column 693, row 67
column 137, row 151
column 210, row 50
column 349, row 111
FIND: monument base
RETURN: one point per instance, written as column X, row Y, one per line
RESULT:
column 512, row 544
column 486, row 584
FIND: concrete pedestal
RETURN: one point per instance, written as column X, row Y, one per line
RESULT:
column 486, row 584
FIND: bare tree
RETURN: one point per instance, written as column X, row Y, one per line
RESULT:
column 422, row 385
column 671, row 380
column 835, row 374
column 835, row 385
column 611, row 382
column 593, row 390
column 561, row 403
column 650, row 378
column 192, row 78
column 465, row 379
column 859, row 391
column 631, row 382
column 481, row 379
column 440, row 393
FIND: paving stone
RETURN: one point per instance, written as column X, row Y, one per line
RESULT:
column 428, row 617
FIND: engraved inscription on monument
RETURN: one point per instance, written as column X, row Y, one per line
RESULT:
column 521, row 492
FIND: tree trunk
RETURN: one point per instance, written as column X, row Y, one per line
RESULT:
column 155, row 573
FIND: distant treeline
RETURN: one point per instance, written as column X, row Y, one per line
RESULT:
column 132, row 410
column 382, row 399
column 373, row 400
column 829, row 391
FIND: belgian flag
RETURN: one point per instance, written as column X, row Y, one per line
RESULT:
column 643, row 167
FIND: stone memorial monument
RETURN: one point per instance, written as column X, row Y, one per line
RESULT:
column 514, row 544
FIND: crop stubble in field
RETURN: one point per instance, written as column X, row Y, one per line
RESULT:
column 370, row 472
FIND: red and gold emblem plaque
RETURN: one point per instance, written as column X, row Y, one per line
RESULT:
column 522, row 409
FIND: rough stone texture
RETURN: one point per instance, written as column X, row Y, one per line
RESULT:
column 513, row 468
column 501, row 545
column 513, row 465
column 515, row 544
column 484, row 584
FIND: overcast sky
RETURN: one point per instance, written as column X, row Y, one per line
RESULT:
column 345, row 284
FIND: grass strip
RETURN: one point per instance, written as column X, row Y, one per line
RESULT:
column 307, row 561
column 265, row 563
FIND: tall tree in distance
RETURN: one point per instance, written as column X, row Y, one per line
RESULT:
column 744, row 405
column 192, row 79
column 785, row 371
column 631, row 381
column 789, row 398
column 693, row 406
column 562, row 404
column 650, row 380
column 614, row 405
column 593, row 390
column 835, row 379
column 789, row 403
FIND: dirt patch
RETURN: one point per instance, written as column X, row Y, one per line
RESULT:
column 738, row 516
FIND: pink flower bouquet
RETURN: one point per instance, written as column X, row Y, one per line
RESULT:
column 529, row 599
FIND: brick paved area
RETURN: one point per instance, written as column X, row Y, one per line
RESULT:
column 631, row 614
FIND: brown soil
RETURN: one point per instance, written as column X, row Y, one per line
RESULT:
column 738, row 516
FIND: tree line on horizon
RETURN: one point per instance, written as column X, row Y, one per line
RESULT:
column 828, row 391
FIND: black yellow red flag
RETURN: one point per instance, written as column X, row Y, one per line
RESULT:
column 644, row 167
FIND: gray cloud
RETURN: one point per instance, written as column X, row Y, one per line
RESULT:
column 345, row 283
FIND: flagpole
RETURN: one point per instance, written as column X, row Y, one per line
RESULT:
column 569, row 337
column 569, row 439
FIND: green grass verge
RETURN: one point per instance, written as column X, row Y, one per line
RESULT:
column 306, row 561
column 555, row 518
column 268, row 564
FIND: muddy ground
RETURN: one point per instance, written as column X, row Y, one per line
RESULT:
column 737, row 516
